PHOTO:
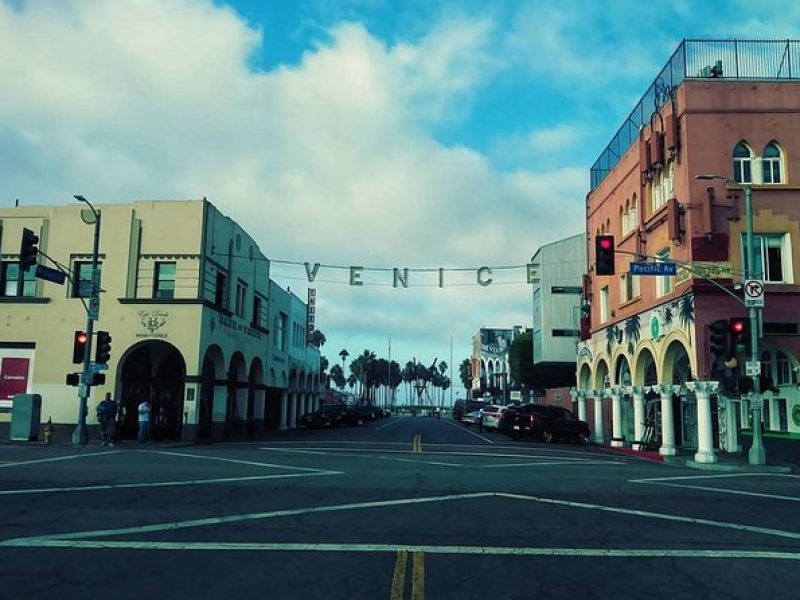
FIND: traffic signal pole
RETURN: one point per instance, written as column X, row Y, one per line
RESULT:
column 758, row 454
column 80, row 436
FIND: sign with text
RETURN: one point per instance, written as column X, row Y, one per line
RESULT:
column 653, row 268
column 754, row 293
column 311, row 314
column 13, row 378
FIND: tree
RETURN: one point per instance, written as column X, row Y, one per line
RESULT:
column 361, row 367
column 521, row 359
column 318, row 338
column 343, row 353
column 337, row 376
column 465, row 373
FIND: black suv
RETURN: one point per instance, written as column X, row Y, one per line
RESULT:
column 330, row 415
column 546, row 423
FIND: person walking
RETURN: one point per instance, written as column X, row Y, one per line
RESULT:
column 107, row 417
column 144, row 420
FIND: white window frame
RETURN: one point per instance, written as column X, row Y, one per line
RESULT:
column 773, row 240
column 605, row 304
column 739, row 164
column 664, row 283
column 770, row 163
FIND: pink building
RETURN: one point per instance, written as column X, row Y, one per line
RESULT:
column 731, row 108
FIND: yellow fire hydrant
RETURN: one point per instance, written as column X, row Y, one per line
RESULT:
column 49, row 430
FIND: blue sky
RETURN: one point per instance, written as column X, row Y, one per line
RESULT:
column 375, row 133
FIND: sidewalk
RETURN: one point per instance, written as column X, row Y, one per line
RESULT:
column 726, row 463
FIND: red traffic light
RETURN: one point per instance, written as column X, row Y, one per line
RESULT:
column 81, row 338
column 737, row 326
column 605, row 243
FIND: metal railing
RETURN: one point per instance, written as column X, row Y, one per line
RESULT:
column 701, row 59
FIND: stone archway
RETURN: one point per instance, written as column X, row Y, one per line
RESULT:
column 154, row 370
column 236, row 397
column 212, row 371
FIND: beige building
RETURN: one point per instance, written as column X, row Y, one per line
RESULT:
column 186, row 297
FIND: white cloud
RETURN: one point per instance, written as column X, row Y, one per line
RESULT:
column 328, row 160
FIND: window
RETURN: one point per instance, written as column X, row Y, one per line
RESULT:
column 662, row 187
column 664, row 283
column 10, row 282
column 258, row 318
column 772, row 257
column 221, row 290
column 605, row 310
column 565, row 333
column 82, row 271
column 629, row 287
column 164, row 281
column 241, row 294
column 771, row 163
column 280, row 332
column 786, row 374
column 742, row 163
column 565, row 289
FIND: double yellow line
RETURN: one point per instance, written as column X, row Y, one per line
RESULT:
column 416, row 445
column 417, row 576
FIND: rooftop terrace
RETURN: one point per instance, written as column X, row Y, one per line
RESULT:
column 750, row 60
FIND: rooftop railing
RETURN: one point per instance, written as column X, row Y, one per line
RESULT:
column 701, row 59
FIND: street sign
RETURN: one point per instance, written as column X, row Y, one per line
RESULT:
column 752, row 368
column 94, row 308
column 653, row 268
column 754, row 293
column 515, row 395
column 49, row 274
column 757, row 402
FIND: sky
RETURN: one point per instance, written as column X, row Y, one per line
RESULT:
column 381, row 134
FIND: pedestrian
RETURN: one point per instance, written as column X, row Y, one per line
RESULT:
column 144, row 420
column 107, row 417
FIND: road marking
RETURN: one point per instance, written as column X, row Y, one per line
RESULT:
column 418, row 577
column 416, row 445
column 425, row 462
column 393, row 421
column 59, row 458
column 724, row 475
column 333, row 451
column 547, row 464
column 706, row 488
column 115, row 486
column 392, row 548
column 485, row 439
column 231, row 460
column 654, row 515
column 399, row 576
column 172, row 525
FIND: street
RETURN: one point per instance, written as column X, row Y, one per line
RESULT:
column 407, row 507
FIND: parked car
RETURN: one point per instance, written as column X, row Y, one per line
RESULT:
column 361, row 413
column 547, row 423
column 471, row 418
column 462, row 407
column 490, row 416
column 331, row 415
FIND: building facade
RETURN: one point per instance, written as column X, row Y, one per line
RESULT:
column 490, row 360
column 725, row 108
column 185, row 295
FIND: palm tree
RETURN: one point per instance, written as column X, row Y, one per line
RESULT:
column 344, row 354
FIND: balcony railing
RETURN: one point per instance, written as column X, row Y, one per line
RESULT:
column 701, row 59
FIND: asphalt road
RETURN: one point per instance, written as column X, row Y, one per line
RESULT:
column 402, row 508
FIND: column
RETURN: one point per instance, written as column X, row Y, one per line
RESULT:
column 579, row 396
column 598, row 415
column 638, row 416
column 705, row 431
column 293, row 410
column 284, row 411
column 617, row 440
column 666, row 391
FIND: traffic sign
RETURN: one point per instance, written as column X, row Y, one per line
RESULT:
column 49, row 274
column 94, row 308
column 653, row 268
column 754, row 293
column 752, row 368
column 757, row 402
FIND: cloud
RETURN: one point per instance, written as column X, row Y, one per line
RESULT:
column 330, row 159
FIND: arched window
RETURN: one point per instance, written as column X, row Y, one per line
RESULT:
column 771, row 163
column 623, row 221
column 633, row 214
column 742, row 167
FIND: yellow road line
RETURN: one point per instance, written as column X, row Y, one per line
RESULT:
column 419, row 443
column 399, row 576
column 418, row 576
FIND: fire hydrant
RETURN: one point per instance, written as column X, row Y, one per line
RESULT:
column 49, row 430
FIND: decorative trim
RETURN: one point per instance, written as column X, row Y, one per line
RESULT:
column 23, row 300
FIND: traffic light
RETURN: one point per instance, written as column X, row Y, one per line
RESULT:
column 103, row 352
column 73, row 378
column 28, row 250
column 604, row 254
column 739, row 329
column 79, row 347
column 98, row 378
column 718, row 337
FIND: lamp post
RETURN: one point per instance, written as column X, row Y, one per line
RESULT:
column 758, row 454
column 80, row 436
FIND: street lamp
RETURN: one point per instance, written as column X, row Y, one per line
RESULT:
column 80, row 436
column 758, row 454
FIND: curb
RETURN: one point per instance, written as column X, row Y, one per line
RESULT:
column 643, row 454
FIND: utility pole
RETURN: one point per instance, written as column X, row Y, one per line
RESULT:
column 80, row 436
